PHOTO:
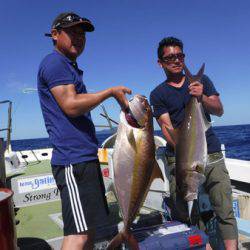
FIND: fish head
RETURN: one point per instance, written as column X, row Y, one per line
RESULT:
column 139, row 112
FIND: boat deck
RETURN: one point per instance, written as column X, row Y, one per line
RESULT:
column 36, row 221
column 42, row 223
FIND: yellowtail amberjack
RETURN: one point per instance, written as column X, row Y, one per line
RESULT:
column 134, row 164
column 191, row 147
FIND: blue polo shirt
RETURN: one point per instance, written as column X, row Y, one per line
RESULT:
column 73, row 139
column 168, row 99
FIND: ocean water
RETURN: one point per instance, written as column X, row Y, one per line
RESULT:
column 235, row 138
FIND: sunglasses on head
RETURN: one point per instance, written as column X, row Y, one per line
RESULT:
column 71, row 18
column 173, row 57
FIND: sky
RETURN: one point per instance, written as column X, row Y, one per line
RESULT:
column 122, row 51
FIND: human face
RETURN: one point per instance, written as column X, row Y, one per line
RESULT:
column 70, row 41
column 172, row 60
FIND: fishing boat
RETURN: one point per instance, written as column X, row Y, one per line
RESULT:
column 36, row 196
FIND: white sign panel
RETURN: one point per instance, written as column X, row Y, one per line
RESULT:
column 36, row 183
column 34, row 189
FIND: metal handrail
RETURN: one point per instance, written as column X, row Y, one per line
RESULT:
column 9, row 128
column 2, row 165
column 5, row 101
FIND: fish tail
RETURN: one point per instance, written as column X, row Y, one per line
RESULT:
column 197, row 77
column 123, row 237
column 190, row 207
column 115, row 242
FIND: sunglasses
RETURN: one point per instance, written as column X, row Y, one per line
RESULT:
column 72, row 18
column 173, row 57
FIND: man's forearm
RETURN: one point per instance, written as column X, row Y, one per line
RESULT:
column 212, row 106
column 83, row 103
column 169, row 136
column 74, row 104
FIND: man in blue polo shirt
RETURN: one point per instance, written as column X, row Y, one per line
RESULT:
column 66, row 107
column 168, row 101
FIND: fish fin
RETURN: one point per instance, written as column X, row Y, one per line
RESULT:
column 206, row 122
column 131, row 138
column 115, row 242
column 207, row 125
column 131, row 241
column 200, row 72
column 188, row 74
column 197, row 77
column 123, row 237
column 190, row 207
column 156, row 173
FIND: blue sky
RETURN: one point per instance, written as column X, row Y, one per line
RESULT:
column 122, row 51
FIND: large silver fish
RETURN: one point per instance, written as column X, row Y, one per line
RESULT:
column 191, row 148
column 134, row 164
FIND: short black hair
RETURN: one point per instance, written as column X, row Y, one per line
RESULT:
column 168, row 41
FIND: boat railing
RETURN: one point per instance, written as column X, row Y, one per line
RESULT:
column 9, row 124
column 2, row 165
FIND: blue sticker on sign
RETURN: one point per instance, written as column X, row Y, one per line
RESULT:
column 236, row 208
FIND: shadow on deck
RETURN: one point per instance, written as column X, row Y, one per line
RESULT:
column 29, row 243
